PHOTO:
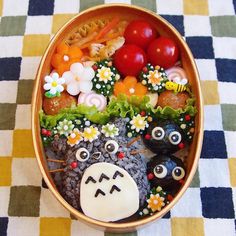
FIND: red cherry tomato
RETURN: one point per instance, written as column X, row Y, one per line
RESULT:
column 163, row 52
column 140, row 33
column 129, row 60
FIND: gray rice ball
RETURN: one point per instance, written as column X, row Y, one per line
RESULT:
column 68, row 182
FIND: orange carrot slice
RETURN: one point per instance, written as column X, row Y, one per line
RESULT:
column 140, row 90
column 62, row 48
column 130, row 81
column 107, row 28
column 102, row 40
column 119, row 88
column 75, row 52
column 56, row 60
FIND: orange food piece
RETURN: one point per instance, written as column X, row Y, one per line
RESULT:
column 130, row 86
column 119, row 87
column 130, row 81
column 56, row 60
column 62, row 48
column 65, row 56
column 62, row 68
column 140, row 89
column 75, row 52
column 52, row 106
column 108, row 27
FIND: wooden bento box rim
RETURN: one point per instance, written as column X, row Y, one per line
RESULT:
column 36, row 106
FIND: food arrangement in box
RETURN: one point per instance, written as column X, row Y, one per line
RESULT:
column 117, row 119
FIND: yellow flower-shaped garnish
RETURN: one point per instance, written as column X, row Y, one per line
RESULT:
column 155, row 202
column 139, row 123
column 90, row 133
column 154, row 78
column 105, row 74
column 74, row 138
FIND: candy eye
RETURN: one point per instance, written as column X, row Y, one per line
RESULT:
column 160, row 171
column 111, row 146
column 175, row 137
column 178, row 173
column 158, row 133
column 82, row 154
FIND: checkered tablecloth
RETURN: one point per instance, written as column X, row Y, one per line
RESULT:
column 208, row 207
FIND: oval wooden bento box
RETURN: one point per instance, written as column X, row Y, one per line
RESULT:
column 164, row 28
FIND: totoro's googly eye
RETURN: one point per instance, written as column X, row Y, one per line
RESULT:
column 82, row 154
column 160, row 171
column 178, row 173
column 158, row 133
column 111, row 146
column 175, row 137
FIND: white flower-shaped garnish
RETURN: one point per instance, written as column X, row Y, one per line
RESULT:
column 54, row 84
column 104, row 74
column 90, row 133
column 109, row 130
column 139, row 123
column 65, row 127
column 78, row 79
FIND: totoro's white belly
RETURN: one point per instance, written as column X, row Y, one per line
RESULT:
column 108, row 193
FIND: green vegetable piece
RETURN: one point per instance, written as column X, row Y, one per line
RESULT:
column 105, row 77
column 154, row 78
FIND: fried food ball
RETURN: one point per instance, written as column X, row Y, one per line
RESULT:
column 52, row 106
column 172, row 99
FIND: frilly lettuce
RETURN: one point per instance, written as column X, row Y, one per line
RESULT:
column 80, row 111
column 121, row 106
column 170, row 113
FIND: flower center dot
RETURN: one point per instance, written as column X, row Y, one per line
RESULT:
column 140, row 122
column 54, row 84
column 131, row 90
column 66, row 58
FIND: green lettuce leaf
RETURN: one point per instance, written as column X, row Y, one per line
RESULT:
column 122, row 106
column 50, row 121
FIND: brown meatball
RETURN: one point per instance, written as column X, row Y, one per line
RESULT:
column 52, row 106
column 171, row 99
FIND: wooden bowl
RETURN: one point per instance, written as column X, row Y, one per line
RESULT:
column 131, row 12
